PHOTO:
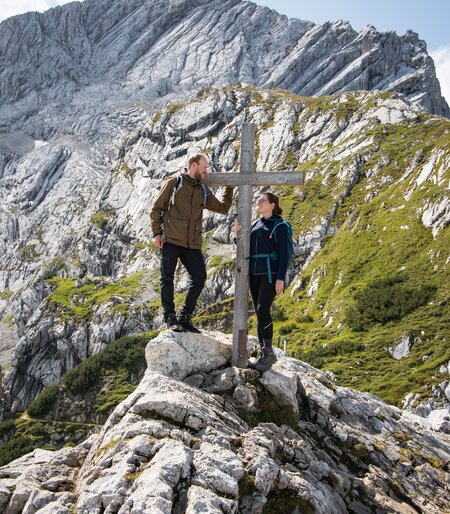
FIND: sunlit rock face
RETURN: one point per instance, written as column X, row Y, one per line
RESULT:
column 197, row 438
column 59, row 232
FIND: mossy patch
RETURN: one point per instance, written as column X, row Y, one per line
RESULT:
column 246, row 485
column 8, row 320
column 218, row 316
column 108, row 400
column 5, row 295
column 29, row 253
column 269, row 411
column 71, row 301
column 102, row 218
column 23, row 435
column 125, row 169
column 285, row 503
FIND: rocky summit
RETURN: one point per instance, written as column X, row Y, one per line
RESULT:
column 200, row 436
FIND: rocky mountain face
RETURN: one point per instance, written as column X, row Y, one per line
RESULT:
column 200, row 436
column 376, row 171
column 92, row 58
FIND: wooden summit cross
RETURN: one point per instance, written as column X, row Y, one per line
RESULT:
column 246, row 179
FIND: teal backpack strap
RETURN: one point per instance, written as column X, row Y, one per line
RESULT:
column 277, row 225
column 268, row 257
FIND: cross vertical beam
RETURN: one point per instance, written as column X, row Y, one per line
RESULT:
column 244, row 218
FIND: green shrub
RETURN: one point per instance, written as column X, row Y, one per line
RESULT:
column 318, row 355
column 287, row 328
column 127, row 352
column 101, row 218
column 7, row 427
column 278, row 313
column 384, row 300
column 304, row 318
column 15, row 448
column 44, row 402
column 81, row 379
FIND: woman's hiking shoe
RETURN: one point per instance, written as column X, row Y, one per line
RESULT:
column 268, row 359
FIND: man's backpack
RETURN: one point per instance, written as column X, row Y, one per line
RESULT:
column 177, row 187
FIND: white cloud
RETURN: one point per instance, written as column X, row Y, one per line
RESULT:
column 12, row 7
column 441, row 58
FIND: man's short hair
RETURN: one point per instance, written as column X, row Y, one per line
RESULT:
column 195, row 157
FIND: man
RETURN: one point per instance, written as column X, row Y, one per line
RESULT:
column 176, row 223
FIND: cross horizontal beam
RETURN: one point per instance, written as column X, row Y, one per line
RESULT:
column 272, row 178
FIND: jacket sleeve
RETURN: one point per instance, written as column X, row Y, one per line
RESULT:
column 221, row 206
column 160, row 204
column 281, row 240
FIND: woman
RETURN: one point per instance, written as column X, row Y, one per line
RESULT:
column 269, row 259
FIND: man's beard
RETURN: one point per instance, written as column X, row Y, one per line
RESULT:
column 199, row 175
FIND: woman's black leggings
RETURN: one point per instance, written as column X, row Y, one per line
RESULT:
column 263, row 295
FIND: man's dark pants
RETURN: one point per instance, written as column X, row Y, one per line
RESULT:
column 192, row 260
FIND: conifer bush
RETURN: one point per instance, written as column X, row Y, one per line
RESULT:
column 384, row 300
column 44, row 402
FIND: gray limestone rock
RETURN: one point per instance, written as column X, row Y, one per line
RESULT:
column 403, row 347
column 175, row 447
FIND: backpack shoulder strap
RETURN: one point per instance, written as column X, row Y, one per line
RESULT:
column 176, row 188
column 281, row 222
column 205, row 193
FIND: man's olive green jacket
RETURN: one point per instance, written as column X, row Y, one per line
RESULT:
column 181, row 221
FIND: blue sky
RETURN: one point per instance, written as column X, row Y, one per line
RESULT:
column 431, row 20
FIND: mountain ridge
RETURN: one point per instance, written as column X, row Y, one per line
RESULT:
column 97, row 49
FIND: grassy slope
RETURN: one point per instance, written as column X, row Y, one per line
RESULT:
column 371, row 244
column 90, row 391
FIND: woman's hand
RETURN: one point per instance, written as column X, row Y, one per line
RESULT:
column 237, row 228
column 279, row 286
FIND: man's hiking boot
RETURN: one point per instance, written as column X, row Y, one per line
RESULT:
column 267, row 360
column 173, row 324
column 186, row 323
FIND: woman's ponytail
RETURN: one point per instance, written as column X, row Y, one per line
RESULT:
column 274, row 199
